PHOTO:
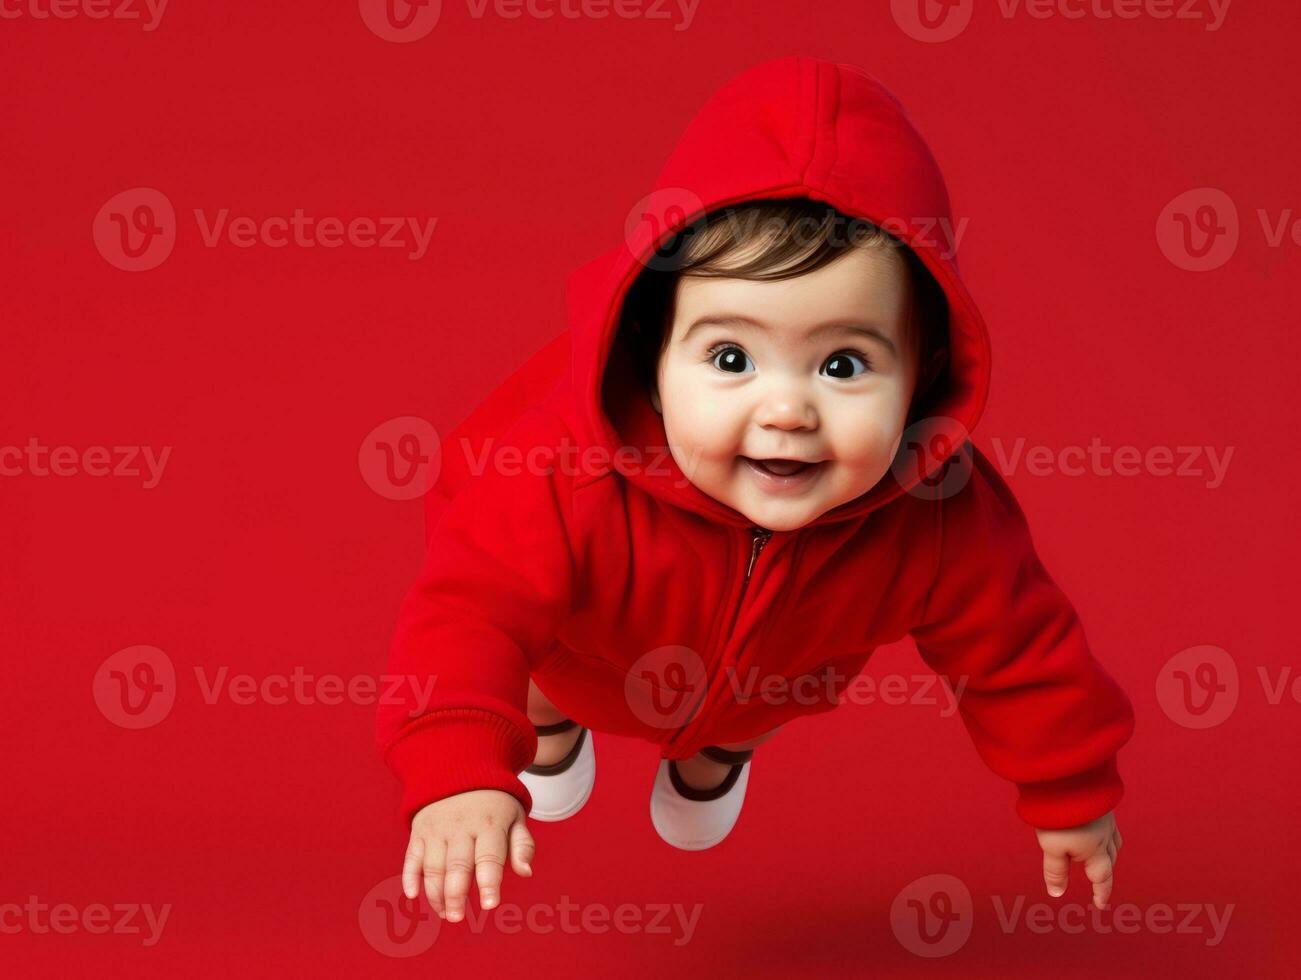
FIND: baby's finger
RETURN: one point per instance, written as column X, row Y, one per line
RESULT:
column 1057, row 872
column 411, row 867
column 1119, row 843
column 1112, row 848
column 1097, row 868
column 434, row 866
column 460, row 866
column 522, row 848
column 489, row 866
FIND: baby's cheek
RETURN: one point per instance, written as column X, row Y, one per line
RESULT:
column 868, row 441
column 695, row 440
column 703, row 424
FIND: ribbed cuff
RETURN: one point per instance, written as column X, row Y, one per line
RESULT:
column 1070, row 802
column 455, row 750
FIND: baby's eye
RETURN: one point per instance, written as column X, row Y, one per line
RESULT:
column 842, row 361
column 729, row 358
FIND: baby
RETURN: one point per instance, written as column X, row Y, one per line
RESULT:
column 744, row 466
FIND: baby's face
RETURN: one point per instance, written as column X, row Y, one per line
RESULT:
column 817, row 369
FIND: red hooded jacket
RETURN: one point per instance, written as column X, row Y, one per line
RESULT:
column 565, row 544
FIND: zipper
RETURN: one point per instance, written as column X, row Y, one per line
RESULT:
column 759, row 536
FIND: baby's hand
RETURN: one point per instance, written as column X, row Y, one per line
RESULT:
column 469, row 832
column 1094, row 843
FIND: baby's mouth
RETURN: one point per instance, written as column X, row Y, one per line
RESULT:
column 781, row 467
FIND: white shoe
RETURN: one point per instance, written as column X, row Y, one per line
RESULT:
column 693, row 819
column 560, row 789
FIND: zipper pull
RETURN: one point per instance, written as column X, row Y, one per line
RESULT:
column 759, row 539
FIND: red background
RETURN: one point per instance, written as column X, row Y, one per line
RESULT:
column 263, row 549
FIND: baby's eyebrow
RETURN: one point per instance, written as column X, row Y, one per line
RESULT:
column 841, row 326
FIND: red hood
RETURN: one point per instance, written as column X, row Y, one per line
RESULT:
column 792, row 127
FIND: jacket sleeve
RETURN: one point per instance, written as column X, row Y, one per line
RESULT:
column 1041, row 711
column 493, row 590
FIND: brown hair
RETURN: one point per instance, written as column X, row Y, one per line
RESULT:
column 769, row 240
